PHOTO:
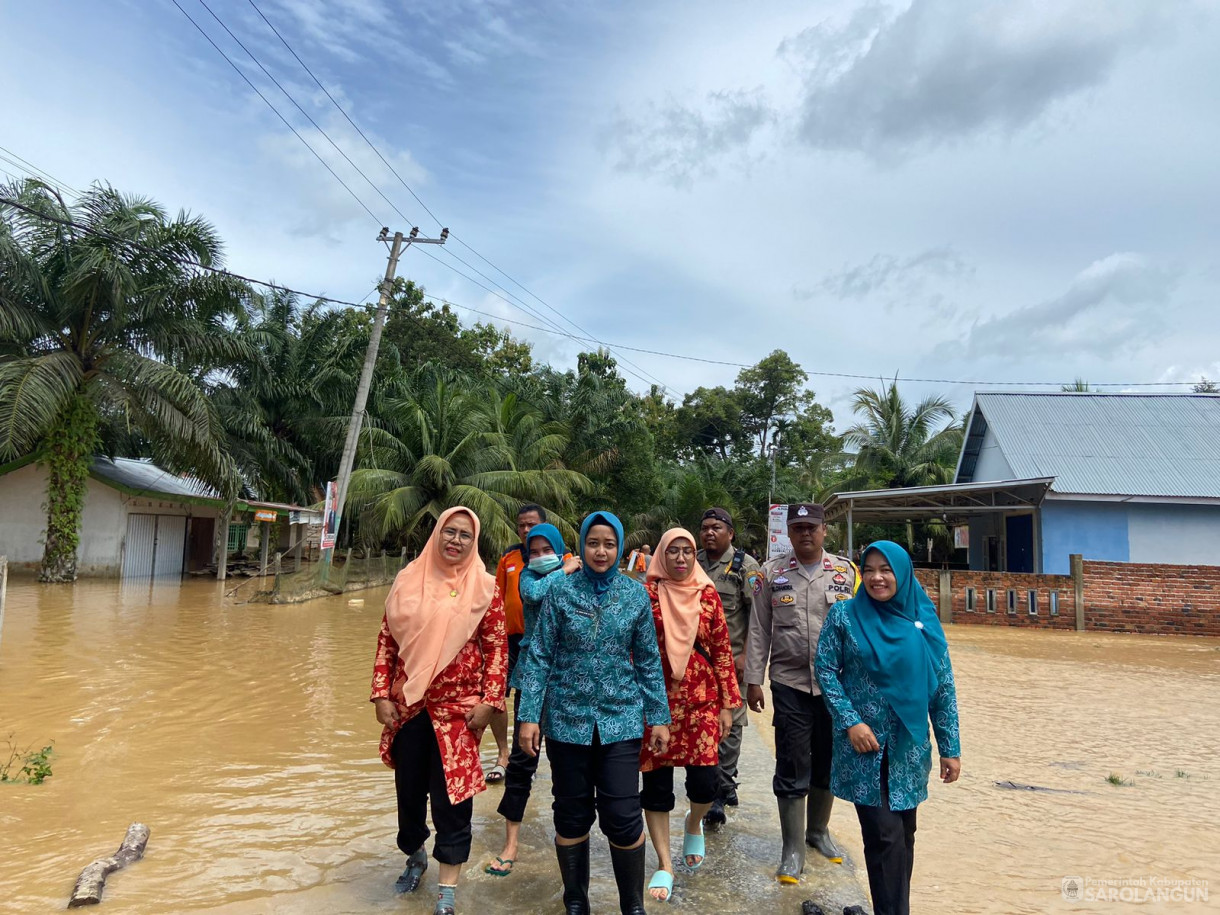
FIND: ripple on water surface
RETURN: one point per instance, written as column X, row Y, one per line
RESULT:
column 243, row 736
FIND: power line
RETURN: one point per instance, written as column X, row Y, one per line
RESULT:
column 287, row 123
column 318, row 127
column 519, row 303
column 334, row 102
column 27, row 166
column 68, row 223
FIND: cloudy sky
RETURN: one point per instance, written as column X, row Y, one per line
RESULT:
column 941, row 189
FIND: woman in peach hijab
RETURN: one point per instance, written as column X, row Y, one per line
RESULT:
column 701, row 683
column 438, row 675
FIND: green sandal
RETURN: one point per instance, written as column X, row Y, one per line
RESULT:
column 503, row 870
column 662, row 880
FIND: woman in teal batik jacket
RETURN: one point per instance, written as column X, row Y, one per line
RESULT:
column 591, row 678
column 883, row 665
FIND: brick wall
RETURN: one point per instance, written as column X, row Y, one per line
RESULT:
column 1136, row 597
column 1118, row 597
column 1045, row 615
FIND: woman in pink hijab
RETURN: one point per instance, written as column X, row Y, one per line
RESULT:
column 438, row 675
column 701, row 683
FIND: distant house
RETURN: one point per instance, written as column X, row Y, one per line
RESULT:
column 139, row 521
column 1115, row 477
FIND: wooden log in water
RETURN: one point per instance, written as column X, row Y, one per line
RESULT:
column 92, row 880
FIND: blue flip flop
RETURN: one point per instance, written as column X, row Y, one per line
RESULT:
column 662, row 880
column 693, row 846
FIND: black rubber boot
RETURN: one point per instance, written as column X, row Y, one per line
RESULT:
column 408, row 880
column 809, row 907
column 715, row 818
column 629, row 875
column 791, row 825
column 817, row 831
column 574, row 869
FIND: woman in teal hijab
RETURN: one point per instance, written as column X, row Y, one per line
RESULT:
column 883, row 665
column 590, row 680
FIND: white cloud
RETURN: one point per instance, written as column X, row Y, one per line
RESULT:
column 941, row 70
column 1110, row 307
column 677, row 142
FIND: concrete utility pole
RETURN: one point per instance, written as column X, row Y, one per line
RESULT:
column 398, row 244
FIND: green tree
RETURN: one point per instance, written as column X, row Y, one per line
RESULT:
column 609, row 439
column 1206, row 387
column 418, row 332
column 106, row 329
column 900, row 445
column 768, row 392
column 710, row 422
column 448, row 441
column 1079, row 386
column 285, row 408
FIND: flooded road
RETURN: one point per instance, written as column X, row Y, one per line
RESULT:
column 243, row 738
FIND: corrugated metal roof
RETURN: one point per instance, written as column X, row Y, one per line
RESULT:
column 1108, row 444
column 145, row 476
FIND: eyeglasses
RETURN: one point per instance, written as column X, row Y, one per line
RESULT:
column 675, row 551
column 452, row 534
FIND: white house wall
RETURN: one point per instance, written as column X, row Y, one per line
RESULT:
column 23, row 522
column 103, row 521
column 22, row 517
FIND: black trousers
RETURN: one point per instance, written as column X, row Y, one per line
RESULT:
column 519, row 777
column 803, row 734
column 601, row 782
column 702, row 783
column 889, row 851
column 418, row 774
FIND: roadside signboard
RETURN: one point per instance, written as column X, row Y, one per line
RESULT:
column 777, row 532
column 329, row 517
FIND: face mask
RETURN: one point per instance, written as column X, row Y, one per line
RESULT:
column 544, row 565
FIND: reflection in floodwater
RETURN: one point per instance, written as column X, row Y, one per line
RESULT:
column 243, row 738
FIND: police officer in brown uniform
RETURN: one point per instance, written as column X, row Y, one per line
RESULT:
column 737, row 577
column 797, row 591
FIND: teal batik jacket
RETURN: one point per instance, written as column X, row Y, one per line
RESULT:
column 853, row 697
column 593, row 662
column 533, row 589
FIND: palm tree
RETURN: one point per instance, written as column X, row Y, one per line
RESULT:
column 898, row 445
column 284, row 410
column 1079, row 386
column 106, row 329
column 690, row 488
column 448, row 441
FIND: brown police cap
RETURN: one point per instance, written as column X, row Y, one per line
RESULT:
column 719, row 514
column 806, row 513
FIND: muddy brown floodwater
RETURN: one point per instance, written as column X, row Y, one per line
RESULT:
column 243, row 737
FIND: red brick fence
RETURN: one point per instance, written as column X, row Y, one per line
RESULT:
column 1097, row 596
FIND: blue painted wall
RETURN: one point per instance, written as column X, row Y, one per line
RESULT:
column 1096, row 530
column 1174, row 534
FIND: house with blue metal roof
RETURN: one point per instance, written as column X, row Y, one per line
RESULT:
column 1113, row 477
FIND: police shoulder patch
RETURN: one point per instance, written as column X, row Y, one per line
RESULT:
column 756, row 581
